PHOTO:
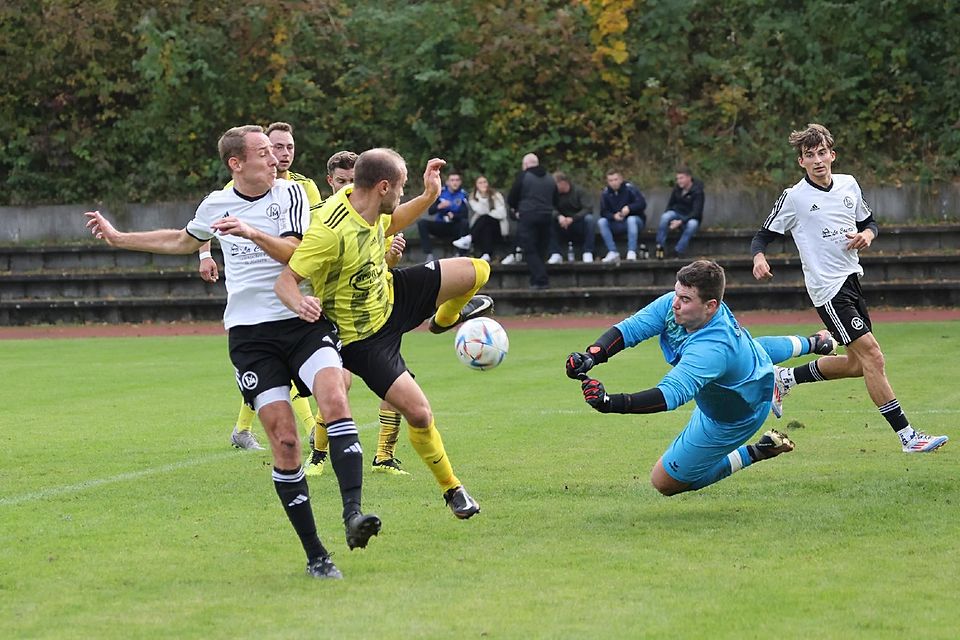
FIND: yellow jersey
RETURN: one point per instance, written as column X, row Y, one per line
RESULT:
column 342, row 255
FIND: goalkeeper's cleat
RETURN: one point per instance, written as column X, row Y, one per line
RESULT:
column 245, row 440
column 822, row 343
column 922, row 443
column 323, row 568
column 315, row 465
column 479, row 305
column 772, row 443
column 360, row 527
column 389, row 466
column 780, row 391
column 460, row 502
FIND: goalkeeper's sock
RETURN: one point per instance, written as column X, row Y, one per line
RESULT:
column 302, row 410
column 245, row 417
column 389, row 434
column 449, row 312
column 809, row 372
column 346, row 456
column 429, row 446
column 291, row 486
column 739, row 458
column 320, row 439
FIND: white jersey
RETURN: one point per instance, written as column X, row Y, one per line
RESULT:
column 250, row 271
column 819, row 220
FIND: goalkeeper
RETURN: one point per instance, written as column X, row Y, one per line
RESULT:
column 716, row 363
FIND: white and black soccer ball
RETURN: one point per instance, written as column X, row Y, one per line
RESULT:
column 481, row 343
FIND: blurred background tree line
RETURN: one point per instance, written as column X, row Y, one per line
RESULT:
column 124, row 100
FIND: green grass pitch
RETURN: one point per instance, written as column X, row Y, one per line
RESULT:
column 125, row 514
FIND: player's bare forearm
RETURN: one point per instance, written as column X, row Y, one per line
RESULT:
column 287, row 288
column 405, row 214
column 168, row 241
column 280, row 249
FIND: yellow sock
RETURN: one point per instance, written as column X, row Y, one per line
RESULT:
column 320, row 440
column 449, row 311
column 428, row 444
column 301, row 409
column 389, row 433
column 245, row 418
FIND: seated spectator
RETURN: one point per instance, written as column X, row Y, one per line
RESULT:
column 447, row 217
column 488, row 221
column 574, row 222
column 622, row 210
column 684, row 212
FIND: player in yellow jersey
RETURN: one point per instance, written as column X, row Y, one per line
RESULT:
column 342, row 254
column 340, row 174
column 284, row 148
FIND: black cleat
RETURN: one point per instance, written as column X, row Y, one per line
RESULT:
column 822, row 343
column 323, row 568
column 460, row 502
column 360, row 528
column 479, row 305
column 772, row 443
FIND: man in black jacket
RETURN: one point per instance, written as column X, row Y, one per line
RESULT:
column 534, row 197
column 574, row 223
column 684, row 212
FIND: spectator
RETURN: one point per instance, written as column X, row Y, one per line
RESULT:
column 622, row 210
column 534, row 196
column 575, row 221
column 684, row 211
column 447, row 217
column 488, row 220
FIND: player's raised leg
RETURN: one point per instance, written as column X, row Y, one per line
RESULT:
column 782, row 348
column 457, row 299
column 407, row 396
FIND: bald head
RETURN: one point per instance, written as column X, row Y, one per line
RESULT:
column 375, row 165
column 530, row 160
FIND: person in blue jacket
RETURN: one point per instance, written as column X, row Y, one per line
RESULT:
column 716, row 363
column 447, row 217
column 623, row 210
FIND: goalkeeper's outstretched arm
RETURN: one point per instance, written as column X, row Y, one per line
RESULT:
column 648, row 401
column 610, row 343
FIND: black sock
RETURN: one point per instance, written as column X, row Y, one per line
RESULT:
column 295, row 496
column 809, row 372
column 893, row 414
column 346, row 456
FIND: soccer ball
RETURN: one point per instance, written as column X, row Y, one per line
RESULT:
column 481, row 343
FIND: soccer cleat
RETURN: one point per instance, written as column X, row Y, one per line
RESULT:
column 780, row 391
column 245, row 440
column 315, row 466
column 772, row 443
column 323, row 568
column 479, row 305
column 631, row 255
column 555, row 258
column 464, row 242
column 360, row 527
column 612, row 256
column 822, row 343
column 389, row 466
column 460, row 502
column 587, row 257
column 922, row 443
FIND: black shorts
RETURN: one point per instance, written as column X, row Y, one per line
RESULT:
column 267, row 356
column 845, row 315
column 376, row 359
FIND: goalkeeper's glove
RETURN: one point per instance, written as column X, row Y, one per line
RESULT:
column 596, row 396
column 578, row 364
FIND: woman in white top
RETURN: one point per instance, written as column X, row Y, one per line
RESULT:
column 488, row 220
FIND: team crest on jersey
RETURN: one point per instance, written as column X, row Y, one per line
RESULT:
column 248, row 380
column 848, row 202
column 273, row 211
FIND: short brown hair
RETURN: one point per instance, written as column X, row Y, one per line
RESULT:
column 560, row 176
column 345, row 160
column 374, row 165
column 279, row 126
column 613, row 172
column 706, row 276
column 684, row 169
column 233, row 143
column 811, row 138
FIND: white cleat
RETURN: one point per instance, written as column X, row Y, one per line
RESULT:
column 780, row 391
column 922, row 443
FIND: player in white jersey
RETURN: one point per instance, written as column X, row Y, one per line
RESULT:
column 259, row 223
column 830, row 222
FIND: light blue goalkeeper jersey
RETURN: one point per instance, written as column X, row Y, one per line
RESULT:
column 720, row 366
